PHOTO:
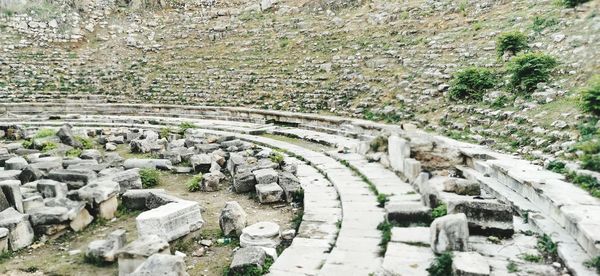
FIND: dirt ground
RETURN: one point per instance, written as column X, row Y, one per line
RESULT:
column 53, row 258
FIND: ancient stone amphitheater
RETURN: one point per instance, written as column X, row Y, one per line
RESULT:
column 318, row 194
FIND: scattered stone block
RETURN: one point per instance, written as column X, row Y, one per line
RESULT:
column 411, row 235
column 128, row 179
column 10, row 175
column 66, row 136
column 74, row 179
column 398, row 151
column 12, row 192
column 246, row 258
column 78, row 215
column 51, row 188
column 210, row 182
column 106, row 249
column 269, row 193
column 262, row 234
column 469, row 264
column 135, row 254
column 101, row 196
column 244, row 182
column 32, row 202
column 290, row 185
column 161, row 164
column 92, row 154
column 15, row 163
column 135, row 199
column 266, row 176
column 20, row 231
column 462, row 186
column 485, row 217
column 201, row 163
column 412, row 169
column 449, row 233
column 407, row 212
column 233, row 219
column 162, row 264
column 170, row 221
column 3, row 240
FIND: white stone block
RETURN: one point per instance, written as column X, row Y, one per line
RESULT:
column 170, row 221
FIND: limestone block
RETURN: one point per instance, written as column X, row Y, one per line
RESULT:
column 201, row 163
column 462, row 186
column 170, row 221
column 12, row 192
column 107, row 248
column 135, row 253
column 233, row 219
column 135, row 199
column 406, row 212
column 9, row 175
column 269, row 193
column 74, row 179
column 265, row 176
column 398, row 151
column 470, row 264
column 247, row 257
column 161, row 164
column 32, row 202
column 412, row 169
column 485, row 217
column 449, row 233
column 162, row 264
column 51, row 188
column 20, row 231
column 244, row 182
column 3, row 240
column 15, row 163
column 108, row 208
column 290, row 185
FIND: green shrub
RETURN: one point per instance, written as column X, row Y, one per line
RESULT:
column 28, row 144
column 439, row 211
column 532, row 258
column 441, row 265
column 587, row 182
column 572, row 3
column 185, row 126
column 73, row 152
column 48, row 146
column 541, row 23
column 86, row 143
column 529, row 69
column 547, row 247
column 556, row 166
column 591, row 162
column 470, row 84
column 594, row 263
column 277, row 157
column 513, row 42
column 591, row 96
column 382, row 199
column 45, row 132
column 193, row 184
column 164, row 132
column 150, row 177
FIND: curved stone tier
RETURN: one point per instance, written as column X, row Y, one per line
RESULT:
column 553, row 206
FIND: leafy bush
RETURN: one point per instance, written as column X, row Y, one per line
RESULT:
column 441, row 265
column 591, row 96
column 513, row 42
column 185, row 126
column 572, row 3
column 541, row 23
column 594, row 263
column 164, row 132
column 586, row 182
column 45, row 132
column 439, row 211
column 591, row 162
column 150, row 177
column 48, row 146
column 86, row 143
column 277, row 157
column 73, row 153
column 193, row 184
column 470, row 84
column 529, row 69
column 27, row 144
column 556, row 166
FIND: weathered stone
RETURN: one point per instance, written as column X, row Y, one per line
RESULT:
column 15, row 163
column 201, row 163
column 66, row 136
column 135, row 254
column 3, row 240
column 449, row 233
column 135, row 199
column 51, row 188
column 128, row 179
column 233, row 219
column 10, row 175
column 398, row 150
column 269, row 193
column 98, row 191
column 407, row 212
column 48, row 215
column 170, row 221
column 161, row 164
column 32, row 202
column 485, row 217
column 470, row 264
column 290, row 185
column 244, row 182
column 21, row 233
column 162, row 264
column 235, row 160
column 12, row 192
column 210, row 182
column 263, row 234
column 74, row 179
column 462, row 186
column 265, row 176
column 92, row 154
column 246, row 258
column 4, row 204
column 107, row 248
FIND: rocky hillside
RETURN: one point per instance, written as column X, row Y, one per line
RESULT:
column 387, row 60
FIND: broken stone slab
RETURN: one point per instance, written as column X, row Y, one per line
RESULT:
column 233, row 219
column 210, row 182
column 78, row 215
column 3, row 240
column 462, row 186
column 134, row 254
column 449, row 233
column 37, row 171
column 4, row 204
column 269, row 193
column 290, row 185
column 161, row 164
column 235, row 160
column 201, row 163
column 32, row 202
column 106, row 249
column 12, row 191
column 74, row 179
column 101, row 196
column 469, row 264
column 9, row 175
column 51, row 188
column 247, row 258
column 485, row 217
column 244, row 182
column 407, row 212
column 66, row 136
column 412, row 169
column 135, row 199
column 156, row 200
column 418, row 236
column 262, row 234
column 398, row 151
column 15, row 163
column 162, row 264
column 91, row 154
column 405, row 259
column 170, row 221
column 20, row 230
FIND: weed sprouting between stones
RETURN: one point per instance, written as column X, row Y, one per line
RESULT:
column 441, row 265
